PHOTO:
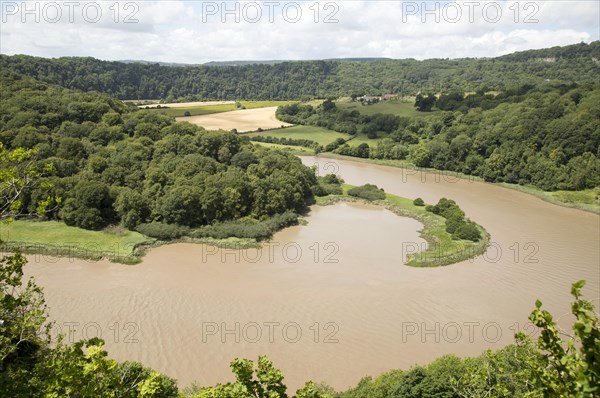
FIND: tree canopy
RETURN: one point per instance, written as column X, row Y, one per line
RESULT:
column 547, row 136
column 309, row 79
column 115, row 164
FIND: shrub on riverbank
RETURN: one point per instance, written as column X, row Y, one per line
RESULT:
column 467, row 231
column 247, row 228
column 163, row 231
column 368, row 191
column 456, row 223
column 329, row 184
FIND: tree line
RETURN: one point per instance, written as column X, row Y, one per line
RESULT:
column 115, row 164
column 547, row 136
column 312, row 79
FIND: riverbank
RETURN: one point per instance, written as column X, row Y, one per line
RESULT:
column 586, row 200
column 53, row 239
column 441, row 248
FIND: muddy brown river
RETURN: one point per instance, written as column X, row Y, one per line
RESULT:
column 332, row 301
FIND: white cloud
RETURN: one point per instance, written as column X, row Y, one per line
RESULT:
column 179, row 31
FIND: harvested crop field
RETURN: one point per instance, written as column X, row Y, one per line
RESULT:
column 243, row 120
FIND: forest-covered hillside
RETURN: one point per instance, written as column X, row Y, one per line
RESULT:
column 115, row 164
column 309, row 79
column 546, row 136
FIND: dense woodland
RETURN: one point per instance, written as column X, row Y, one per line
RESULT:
column 547, row 136
column 309, row 79
column 114, row 164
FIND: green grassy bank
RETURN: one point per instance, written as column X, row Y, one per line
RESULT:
column 586, row 200
column 56, row 239
column 319, row 135
column 53, row 238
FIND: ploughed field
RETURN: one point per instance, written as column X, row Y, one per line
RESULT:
column 243, row 120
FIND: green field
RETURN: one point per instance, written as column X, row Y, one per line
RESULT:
column 196, row 110
column 442, row 249
column 210, row 109
column 392, row 107
column 264, row 104
column 588, row 199
column 363, row 139
column 317, row 134
column 588, row 196
column 55, row 238
column 296, row 150
column 314, row 103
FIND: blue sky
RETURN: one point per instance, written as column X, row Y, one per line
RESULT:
column 202, row 31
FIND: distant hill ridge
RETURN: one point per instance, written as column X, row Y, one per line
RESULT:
column 245, row 62
column 277, row 80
